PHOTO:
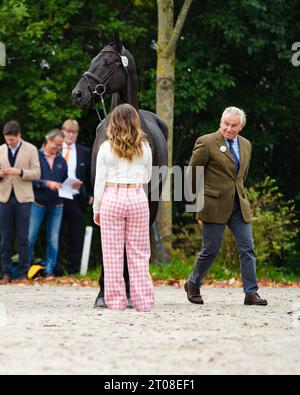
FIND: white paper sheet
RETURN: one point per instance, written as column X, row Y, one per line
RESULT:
column 67, row 190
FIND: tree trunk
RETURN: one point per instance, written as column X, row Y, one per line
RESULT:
column 166, row 57
column 165, row 99
column 2, row 55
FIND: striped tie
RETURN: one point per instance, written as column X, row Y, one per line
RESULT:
column 236, row 159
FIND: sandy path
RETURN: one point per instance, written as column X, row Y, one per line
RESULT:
column 51, row 330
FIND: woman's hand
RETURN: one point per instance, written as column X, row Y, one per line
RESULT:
column 97, row 218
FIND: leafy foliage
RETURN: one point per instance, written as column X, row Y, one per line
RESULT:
column 230, row 53
column 49, row 45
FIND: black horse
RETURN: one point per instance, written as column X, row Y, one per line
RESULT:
column 113, row 71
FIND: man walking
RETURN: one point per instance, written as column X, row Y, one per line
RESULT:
column 19, row 167
column 226, row 159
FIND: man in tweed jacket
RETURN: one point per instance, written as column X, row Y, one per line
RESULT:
column 225, row 157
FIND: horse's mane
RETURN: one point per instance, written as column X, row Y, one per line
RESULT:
column 132, row 81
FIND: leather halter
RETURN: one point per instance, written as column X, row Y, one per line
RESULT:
column 101, row 86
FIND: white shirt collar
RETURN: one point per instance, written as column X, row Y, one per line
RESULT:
column 16, row 148
column 234, row 140
column 65, row 146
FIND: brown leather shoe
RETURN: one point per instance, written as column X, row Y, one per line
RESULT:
column 193, row 294
column 255, row 300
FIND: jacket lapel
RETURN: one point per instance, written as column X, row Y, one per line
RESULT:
column 221, row 142
column 78, row 160
column 243, row 154
column 19, row 156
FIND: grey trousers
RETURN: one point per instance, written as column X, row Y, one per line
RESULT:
column 212, row 241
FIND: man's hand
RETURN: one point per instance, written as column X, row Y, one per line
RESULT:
column 12, row 171
column 91, row 200
column 97, row 219
column 77, row 185
column 54, row 186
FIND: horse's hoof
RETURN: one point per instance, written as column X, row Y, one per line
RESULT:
column 129, row 306
column 100, row 303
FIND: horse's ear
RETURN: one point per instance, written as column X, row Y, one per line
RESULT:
column 104, row 39
column 118, row 43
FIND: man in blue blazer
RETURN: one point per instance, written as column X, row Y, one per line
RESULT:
column 78, row 158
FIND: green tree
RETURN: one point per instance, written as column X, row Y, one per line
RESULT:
column 49, row 45
column 230, row 53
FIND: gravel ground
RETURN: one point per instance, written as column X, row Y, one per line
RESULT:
column 54, row 330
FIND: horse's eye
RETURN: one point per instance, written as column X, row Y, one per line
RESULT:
column 107, row 62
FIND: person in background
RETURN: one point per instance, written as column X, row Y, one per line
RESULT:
column 226, row 157
column 19, row 167
column 124, row 164
column 78, row 158
column 54, row 171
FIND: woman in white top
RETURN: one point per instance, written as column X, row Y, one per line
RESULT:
column 124, row 164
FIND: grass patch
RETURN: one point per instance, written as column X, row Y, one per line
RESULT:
column 180, row 271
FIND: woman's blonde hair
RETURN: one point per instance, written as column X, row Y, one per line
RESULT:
column 125, row 134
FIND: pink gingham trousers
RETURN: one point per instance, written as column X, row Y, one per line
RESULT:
column 124, row 221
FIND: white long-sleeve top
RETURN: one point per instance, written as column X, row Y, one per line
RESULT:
column 112, row 169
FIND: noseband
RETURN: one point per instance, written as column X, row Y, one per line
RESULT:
column 101, row 86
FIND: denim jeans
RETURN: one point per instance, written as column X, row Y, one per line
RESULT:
column 54, row 219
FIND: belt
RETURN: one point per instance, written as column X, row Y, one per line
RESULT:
column 126, row 186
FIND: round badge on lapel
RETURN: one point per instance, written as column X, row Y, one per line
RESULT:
column 223, row 149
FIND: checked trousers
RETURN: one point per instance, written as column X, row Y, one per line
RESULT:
column 124, row 221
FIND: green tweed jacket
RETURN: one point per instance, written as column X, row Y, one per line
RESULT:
column 221, row 183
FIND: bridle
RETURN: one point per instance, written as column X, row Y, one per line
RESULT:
column 101, row 86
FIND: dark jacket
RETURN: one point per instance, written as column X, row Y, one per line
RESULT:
column 43, row 195
column 83, row 173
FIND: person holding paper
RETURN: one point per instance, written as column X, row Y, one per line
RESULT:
column 48, row 203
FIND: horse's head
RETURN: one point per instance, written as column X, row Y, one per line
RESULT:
column 110, row 72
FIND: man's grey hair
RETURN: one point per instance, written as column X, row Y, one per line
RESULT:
column 235, row 111
column 53, row 134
